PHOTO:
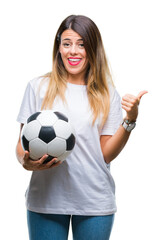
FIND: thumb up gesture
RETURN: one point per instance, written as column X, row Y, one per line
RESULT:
column 130, row 105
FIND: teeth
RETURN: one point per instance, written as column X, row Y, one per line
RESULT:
column 74, row 60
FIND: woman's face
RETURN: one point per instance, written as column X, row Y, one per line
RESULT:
column 73, row 54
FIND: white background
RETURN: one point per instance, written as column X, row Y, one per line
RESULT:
column 132, row 32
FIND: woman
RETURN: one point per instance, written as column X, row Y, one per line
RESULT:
column 81, row 188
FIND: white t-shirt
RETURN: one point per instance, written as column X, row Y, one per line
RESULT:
column 82, row 184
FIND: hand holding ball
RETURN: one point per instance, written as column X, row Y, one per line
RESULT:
column 50, row 133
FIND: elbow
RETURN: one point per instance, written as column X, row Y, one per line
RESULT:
column 110, row 154
column 109, row 159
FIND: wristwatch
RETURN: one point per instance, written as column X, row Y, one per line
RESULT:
column 129, row 126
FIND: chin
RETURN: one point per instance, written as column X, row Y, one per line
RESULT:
column 74, row 71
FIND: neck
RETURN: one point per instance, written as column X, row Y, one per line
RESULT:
column 79, row 80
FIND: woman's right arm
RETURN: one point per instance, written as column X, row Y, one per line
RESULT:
column 33, row 165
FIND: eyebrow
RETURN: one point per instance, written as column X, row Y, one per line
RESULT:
column 68, row 39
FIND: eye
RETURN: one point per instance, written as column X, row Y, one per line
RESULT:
column 81, row 45
column 66, row 44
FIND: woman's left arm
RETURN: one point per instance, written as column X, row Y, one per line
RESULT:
column 112, row 145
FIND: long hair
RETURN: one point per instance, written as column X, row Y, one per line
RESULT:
column 97, row 75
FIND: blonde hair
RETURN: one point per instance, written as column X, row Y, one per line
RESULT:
column 97, row 77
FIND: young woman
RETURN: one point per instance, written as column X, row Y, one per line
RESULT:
column 81, row 188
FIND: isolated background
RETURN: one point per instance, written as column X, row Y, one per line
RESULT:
column 133, row 37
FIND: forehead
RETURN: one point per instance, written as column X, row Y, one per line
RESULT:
column 70, row 34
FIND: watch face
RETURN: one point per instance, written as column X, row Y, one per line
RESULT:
column 131, row 126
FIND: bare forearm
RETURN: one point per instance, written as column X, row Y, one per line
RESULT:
column 19, row 152
column 114, row 145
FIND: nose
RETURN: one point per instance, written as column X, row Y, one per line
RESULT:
column 73, row 49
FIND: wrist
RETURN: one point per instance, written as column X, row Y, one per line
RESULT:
column 130, row 120
column 128, row 125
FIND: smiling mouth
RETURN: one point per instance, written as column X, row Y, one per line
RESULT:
column 74, row 61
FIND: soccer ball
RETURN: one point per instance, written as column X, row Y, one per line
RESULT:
column 48, row 132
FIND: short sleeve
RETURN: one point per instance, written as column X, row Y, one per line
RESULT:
column 115, row 116
column 28, row 106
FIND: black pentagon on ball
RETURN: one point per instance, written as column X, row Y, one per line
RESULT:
column 48, row 159
column 25, row 143
column 70, row 142
column 47, row 134
column 33, row 117
column 61, row 116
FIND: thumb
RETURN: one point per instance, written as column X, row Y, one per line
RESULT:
column 26, row 155
column 140, row 95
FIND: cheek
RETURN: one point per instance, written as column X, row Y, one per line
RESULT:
column 83, row 52
column 86, row 60
column 63, row 52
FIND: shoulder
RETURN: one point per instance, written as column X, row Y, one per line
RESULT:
column 35, row 83
column 39, row 84
column 113, row 93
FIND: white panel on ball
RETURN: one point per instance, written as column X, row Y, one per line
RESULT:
column 62, row 129
column 31, row 130
column 56, row 147
column 38, row 148
column 64, row 155
column 47, row 118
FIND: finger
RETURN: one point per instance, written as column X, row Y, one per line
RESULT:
column 129, row 97
column 51, row 162
column 127, row 109
column 56, row 163
column 141, row 94
column 127, row 104
column 42, row 159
